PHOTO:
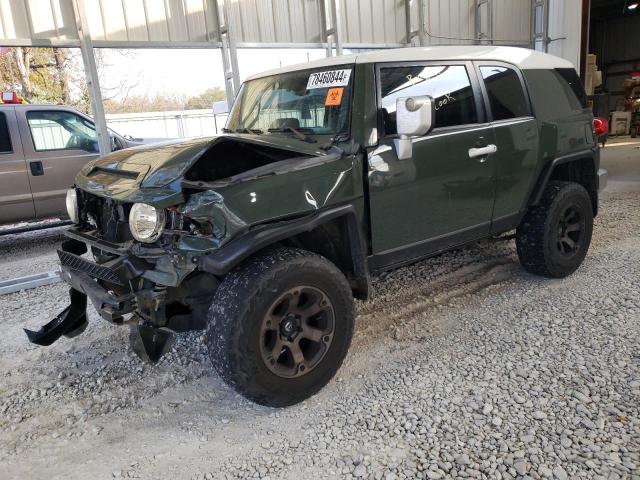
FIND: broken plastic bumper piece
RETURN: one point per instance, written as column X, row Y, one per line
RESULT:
column 70, row 322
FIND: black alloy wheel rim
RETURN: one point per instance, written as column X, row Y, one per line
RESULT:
column 297, row 331
column 570, row 231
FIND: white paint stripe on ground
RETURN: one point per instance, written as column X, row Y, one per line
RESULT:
column 31, row 281
column 621, row 144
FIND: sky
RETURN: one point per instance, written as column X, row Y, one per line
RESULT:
column 186, row 71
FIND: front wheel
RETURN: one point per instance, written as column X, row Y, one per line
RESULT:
column 554, row 235
column 280, row 326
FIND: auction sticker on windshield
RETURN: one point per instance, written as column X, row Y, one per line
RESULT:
column 330, row 78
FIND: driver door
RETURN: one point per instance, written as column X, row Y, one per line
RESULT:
column 57, row 143
column 443, row 195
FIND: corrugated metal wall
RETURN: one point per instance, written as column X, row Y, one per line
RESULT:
column 454, row 22
column 152, row 20
column 512, row 22
column 382, row 22
column 37, row 19
column 365, row 23
column 277, row 21
column 450, row 22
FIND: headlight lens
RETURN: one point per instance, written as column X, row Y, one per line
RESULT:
column 72, row 205
column 146, row 222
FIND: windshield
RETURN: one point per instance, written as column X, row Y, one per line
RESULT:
column 314, row 101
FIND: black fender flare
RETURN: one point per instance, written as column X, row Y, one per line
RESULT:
column 547, row 171
column 222, row 260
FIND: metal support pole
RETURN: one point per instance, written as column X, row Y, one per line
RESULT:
column 337, row 23
column 331, row 32
column 233, row 51
column 407, row 19
column 482, row 36
column 422, row 23
column 229, row 54
column 91, row 71
column 324, row 25
column 546, row 26
column 490, row 20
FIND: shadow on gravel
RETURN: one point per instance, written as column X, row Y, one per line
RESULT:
column 35, row 243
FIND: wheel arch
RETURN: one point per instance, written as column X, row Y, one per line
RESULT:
column 579, row 167
column 334, row 233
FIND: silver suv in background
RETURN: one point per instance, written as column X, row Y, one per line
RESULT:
column 42, row 147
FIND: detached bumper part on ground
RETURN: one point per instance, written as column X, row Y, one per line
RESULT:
column 72, row 321
column 109, row 288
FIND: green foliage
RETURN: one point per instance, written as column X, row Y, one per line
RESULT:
column 206, row 99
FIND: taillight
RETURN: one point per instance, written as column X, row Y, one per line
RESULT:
column 600, row 126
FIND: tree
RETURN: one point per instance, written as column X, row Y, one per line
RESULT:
column 41, row 75
column 56, row 76
column 206, row 99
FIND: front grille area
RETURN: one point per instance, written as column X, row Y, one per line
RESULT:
column 109, row 217
column 94, row 270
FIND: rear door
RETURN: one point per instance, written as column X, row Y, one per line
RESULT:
column 57, row 144
column 16, row 202
column 516, row 135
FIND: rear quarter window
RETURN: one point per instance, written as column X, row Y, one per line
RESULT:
column 552, row 94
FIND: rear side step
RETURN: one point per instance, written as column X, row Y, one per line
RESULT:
column 72, row 321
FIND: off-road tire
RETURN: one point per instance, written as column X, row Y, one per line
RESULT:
column 239, row 307
column 537, row 236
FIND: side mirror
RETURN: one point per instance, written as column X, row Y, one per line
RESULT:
column 113, row 142
column 414, row 118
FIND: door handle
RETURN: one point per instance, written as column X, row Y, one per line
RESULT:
column 36, row 168
column 481, row 152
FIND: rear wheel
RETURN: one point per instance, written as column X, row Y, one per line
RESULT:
column 555, row 235
column 280, row 326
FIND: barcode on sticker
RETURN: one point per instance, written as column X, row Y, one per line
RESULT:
column 331, row 78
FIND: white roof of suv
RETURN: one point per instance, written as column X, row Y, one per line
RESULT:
column 524, row 58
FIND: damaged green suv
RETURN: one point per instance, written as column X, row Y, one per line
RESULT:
column 326, row 174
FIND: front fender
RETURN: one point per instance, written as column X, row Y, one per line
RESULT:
column 222, row 260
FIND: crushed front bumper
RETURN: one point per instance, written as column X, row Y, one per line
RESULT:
column 116, row 287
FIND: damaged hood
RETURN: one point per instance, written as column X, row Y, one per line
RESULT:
column 158, row 165
column 157, row 174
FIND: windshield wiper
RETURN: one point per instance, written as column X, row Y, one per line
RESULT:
column 255, row 131
column 297, row 132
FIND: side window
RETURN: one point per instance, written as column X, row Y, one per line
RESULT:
column 59, row 130
column 506, row 96
column 5, row 139
column 449, row 85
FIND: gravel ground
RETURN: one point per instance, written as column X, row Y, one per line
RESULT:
column 462, row 366
column 29, row 253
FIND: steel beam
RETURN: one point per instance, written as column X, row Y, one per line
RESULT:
column 93, row 82
column 422, row 23
column 482, row 36
column 229, row 53
column 337, row 24
column 331, row 22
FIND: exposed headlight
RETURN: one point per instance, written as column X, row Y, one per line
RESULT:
column 146, row 222
column 72, row 205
